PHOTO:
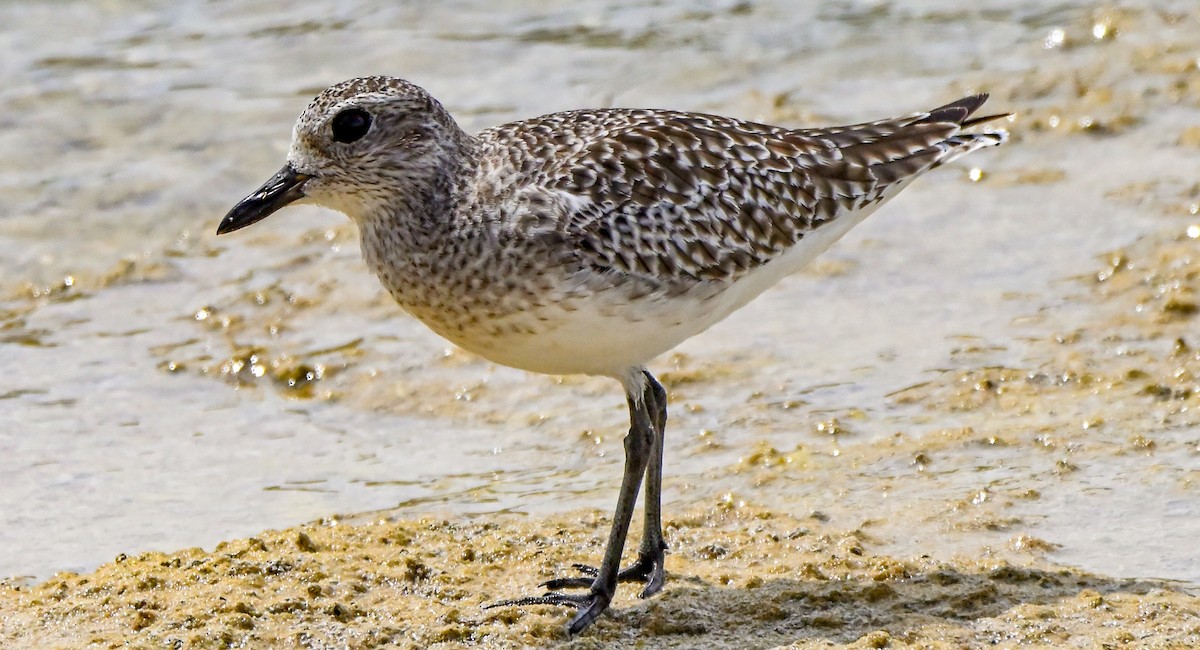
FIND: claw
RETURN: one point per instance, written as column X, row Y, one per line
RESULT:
column 554, row 584
column 578, row 582
column 647, row 570
column 590, row 606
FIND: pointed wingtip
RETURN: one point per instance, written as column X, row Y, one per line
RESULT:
column 986, row 118
column 957, row 111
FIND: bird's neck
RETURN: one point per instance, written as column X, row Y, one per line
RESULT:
column 421, row 217
column 419, row 237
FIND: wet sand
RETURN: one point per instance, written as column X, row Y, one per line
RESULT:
column 741, row 577
column 1018, row 471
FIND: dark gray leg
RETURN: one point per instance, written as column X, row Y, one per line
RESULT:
column 639, row 444
column 652, row 552
column 648, row 568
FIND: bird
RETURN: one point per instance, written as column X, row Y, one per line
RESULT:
column 592, row 241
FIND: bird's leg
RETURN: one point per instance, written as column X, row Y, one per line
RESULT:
column 648, row 568
column 652, row 552
column 639, row 444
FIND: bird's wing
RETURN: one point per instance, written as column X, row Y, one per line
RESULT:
column 671, row 196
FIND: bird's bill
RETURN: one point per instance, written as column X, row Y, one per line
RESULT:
column 285, row 187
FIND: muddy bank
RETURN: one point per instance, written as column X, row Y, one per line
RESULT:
column 740, row 577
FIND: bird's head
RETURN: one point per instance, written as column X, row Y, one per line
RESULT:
column 358, row 146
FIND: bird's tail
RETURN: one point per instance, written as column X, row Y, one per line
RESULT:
column 963, row 143
column 937, row 137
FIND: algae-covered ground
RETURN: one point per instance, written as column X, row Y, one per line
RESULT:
column 741, row 577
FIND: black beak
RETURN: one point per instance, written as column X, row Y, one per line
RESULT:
column 284, row 187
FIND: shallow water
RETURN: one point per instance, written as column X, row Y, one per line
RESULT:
column 148, row 403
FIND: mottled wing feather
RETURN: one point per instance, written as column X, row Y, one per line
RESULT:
column 685, row 197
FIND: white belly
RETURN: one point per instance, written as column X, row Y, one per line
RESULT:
column 606, row 333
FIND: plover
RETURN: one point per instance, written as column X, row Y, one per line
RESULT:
column 592, row 241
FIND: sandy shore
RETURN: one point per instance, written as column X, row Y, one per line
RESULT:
column 740, row 577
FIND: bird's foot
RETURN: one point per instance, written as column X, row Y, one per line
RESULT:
column 647, row 570
column 590, row 605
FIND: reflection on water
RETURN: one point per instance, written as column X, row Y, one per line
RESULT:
column 168, row 389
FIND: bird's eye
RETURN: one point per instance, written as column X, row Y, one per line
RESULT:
column 350, row 124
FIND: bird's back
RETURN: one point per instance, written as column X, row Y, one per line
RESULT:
column 679, row 198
